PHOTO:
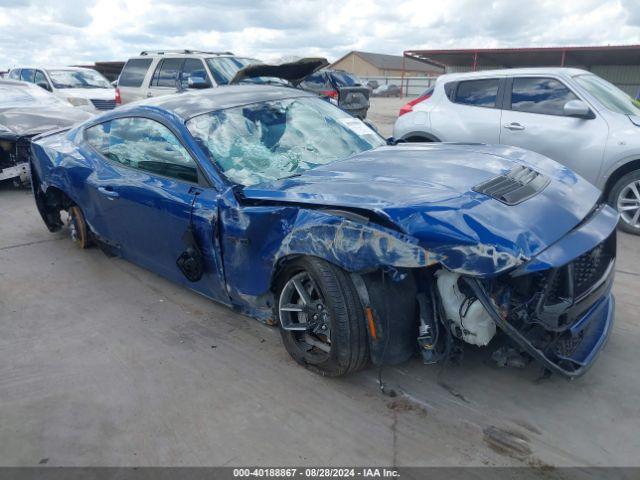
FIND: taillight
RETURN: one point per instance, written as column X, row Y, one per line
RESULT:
column 118, row 97
column 409, row 106
column 329, row 93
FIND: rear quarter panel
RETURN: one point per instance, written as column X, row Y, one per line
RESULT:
column 57, row 163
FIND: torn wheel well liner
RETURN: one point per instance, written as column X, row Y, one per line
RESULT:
column 395, row 317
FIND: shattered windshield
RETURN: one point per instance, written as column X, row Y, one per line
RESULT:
column 77, row 79
column 273, row 140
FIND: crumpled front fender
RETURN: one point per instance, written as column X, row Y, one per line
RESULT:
column 352, row 245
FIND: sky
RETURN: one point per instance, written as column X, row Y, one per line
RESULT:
column 63, row 32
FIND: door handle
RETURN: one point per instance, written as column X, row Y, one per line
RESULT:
column 108, row 192
column 149, row 94
column 513, row 126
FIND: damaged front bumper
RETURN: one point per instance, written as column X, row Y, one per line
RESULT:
column 559, row 308
column 573, row 351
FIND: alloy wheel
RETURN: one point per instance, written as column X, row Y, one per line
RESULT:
column 303, row 312
column 628, row 204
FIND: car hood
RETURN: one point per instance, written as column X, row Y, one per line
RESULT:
column 426, row 191
column 25, row 121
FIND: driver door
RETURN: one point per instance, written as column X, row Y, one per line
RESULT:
column 150, row 194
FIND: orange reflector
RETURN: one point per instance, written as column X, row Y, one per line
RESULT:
column 372, row 326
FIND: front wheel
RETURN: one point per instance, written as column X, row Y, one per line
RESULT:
column 321, row 318
column 625, row 197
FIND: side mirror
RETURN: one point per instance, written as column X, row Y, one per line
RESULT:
column 44, row 85
column 578, row 109
column 197, row 82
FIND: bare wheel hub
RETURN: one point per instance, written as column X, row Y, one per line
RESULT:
column 78, row 227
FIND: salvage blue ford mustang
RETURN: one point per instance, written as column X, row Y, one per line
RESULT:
column 278, row 204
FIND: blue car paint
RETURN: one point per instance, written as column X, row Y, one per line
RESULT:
column 423, row 194
column 425, row 191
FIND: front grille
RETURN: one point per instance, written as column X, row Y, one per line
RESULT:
column 576, row 278
column 589, row 268
column 103, row 104
column 516, row 186
column 567, row 346
column 557, row 297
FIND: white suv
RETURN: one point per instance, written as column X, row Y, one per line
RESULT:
column 567, row 114
column 154, row 73
column 81, row 87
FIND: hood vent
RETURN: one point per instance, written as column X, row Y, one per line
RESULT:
column 520, row 184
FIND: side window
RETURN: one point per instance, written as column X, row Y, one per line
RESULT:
column 540, row 95
column 143, row 144
column 26, row 75
column 14, row 74
column 98, row 137
column 41, row 80
column 167, row 72
column 133, row 73
column 194, row 67
column 479, row 93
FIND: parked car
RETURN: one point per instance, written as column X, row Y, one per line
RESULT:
column 156, row 73
column 372, row 85
column 567, row 114
column 25, row 111
column 284, row 207
column 348, row 91
column 81, row 87
column 310, row 74
column 388, row 90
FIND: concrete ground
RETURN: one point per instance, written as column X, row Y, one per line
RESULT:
column 104, row 363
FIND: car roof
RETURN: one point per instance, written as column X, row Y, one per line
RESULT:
column 193, row 103
column 31, row 67
column 510, row 72
column 193, row 54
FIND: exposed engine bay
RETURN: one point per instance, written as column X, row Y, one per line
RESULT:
column 544, row 316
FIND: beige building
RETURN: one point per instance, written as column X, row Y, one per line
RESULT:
column 367, row 64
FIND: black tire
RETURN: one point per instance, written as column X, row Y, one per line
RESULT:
column 614, row 195
column 349, row 349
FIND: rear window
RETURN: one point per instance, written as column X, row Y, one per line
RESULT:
column 315, row 82
column 343, row 79
column 224, row 69
column 479, row 93
column 133, row 73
